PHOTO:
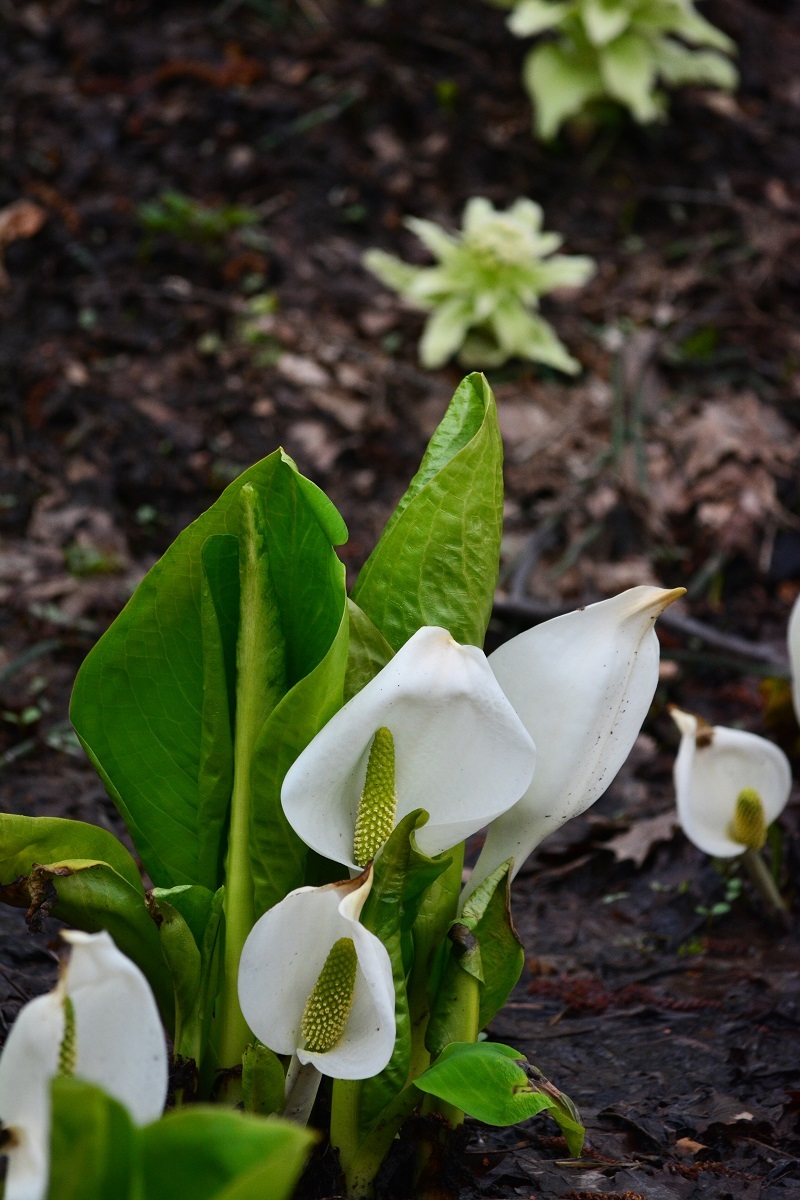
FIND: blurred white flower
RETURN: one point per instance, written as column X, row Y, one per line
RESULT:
column 100, row 1024
column 730, row 785
column 794, row 654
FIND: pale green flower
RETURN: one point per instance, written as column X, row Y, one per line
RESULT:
column 485, row 286
column 618, row 50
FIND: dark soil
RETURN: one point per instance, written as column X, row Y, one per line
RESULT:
column 132, row 390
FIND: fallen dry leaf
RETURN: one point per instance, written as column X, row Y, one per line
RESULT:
column 640, row 839
column 687, row 1145
column 22, row 219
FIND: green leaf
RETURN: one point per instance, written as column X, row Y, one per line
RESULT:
column 401, row 876
column 137, row 702
column 529, row 336
column 628, row 69
column 484, row 943
column 437, row 560
column 93, row 1145
column 184, row 915
column 440, row 243
column 205, row 1153
column 560, row 85
column 92, row 896
column 487, row 913
column 219, row 624
column 368, row 653
column 534, row 16
column 495, row 1084
column 444, row 331
column 676, row 65
column 263, row 1080
column 693, row 27
column 605, row 19
column 391, row 271
column 29, row 841
column 278, row 855
column 153, row 700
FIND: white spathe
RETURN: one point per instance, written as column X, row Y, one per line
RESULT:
column 582, row 684
column 794, row 654
column 461, row 752
column 714, row 765
column 282, row 960
column 119, row 1045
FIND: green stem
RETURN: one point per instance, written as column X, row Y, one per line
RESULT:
column 463, row 1008
column 362, row 1162
column 362, row 1157
column 762, row 879
column 259, row 683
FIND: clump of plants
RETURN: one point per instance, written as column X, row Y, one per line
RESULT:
column 299, row 770
column 622, row 51
column 483, row 292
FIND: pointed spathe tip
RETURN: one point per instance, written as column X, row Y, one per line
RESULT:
column 687, row 723
column 669, row 595
column 651, row 600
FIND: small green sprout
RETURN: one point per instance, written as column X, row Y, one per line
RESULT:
column 617, row 50
column 179, row 215
column 486, row 283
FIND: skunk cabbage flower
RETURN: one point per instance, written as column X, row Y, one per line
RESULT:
column 729, row 785
column 582, row 684
column 794, row 654
column 100, row 1024
column 315, row 983
column 432, row 730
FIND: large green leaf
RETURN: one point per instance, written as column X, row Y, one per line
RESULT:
column 93, row 1145
column 28, row 841
column 84, row 876
column 198, row 1153
column 194, row 1153
column 495, row 1084
column 437, row 560
column 401, row 876
column 152, row 702
column 92, row 896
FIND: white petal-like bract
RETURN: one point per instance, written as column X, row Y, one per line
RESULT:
column 794, row 654
column 461, row 752
column 118, row 1045
column 282, row 961
column 582, row 684
column 713, row 767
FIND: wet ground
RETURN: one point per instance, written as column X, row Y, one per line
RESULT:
column 143, row 365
